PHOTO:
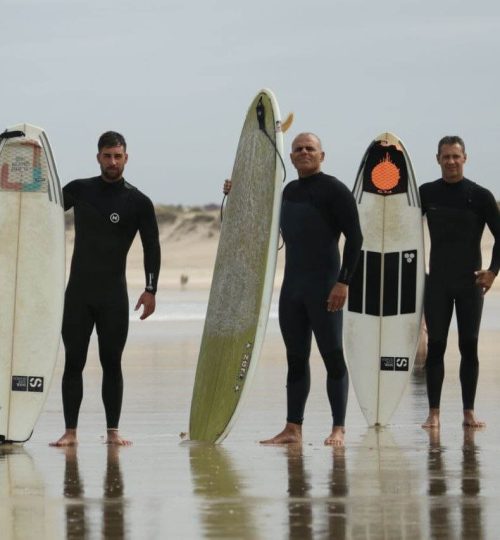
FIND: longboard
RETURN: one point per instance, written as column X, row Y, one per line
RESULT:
column 384, row 311
column 241, row 289
column 32, row 277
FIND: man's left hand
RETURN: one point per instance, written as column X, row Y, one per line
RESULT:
column 337, row 297
column 147, row 300
column 485, row 279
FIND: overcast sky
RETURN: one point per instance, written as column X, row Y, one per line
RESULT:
column 176, row 77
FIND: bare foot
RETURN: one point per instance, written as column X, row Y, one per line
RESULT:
column 336, row 437
column 471, row 421
column 432, row 420
column 291, row 434
column 68, row 439
column 113, row 437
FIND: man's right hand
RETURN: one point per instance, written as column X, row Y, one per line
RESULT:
column 227, row 186
column 485, row 279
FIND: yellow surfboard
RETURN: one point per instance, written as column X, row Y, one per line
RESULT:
column 243, row 277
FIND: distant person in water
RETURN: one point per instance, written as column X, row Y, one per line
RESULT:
column 108, row 213
column 316, row 209
column 457, row 210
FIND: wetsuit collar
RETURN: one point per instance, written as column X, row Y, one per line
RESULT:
column 451, row 184
column 454, row 183
column 117, row 183
column 311, row 177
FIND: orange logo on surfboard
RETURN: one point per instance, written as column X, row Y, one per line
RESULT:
column 385, row 175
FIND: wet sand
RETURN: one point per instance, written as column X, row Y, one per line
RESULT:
column 398, row 482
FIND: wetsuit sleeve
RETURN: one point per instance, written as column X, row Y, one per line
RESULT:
column 69, row 195
column 423, row 199
column 347, row 219
column 492, row 218
column 148, row 230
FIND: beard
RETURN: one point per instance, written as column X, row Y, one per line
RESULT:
column 112, row 173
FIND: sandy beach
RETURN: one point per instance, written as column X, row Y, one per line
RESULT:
column 397, row 482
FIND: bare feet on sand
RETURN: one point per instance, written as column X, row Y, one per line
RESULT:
column 291, row 434
column 336, row 437
column 113, row 437
column 432, row 420
column 68, row 439
column 471, row 421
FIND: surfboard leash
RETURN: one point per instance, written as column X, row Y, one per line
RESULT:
column 12, row 134
column 261, row 119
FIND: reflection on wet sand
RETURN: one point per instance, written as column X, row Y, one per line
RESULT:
column 22, row 496
column 382, row 489
column 113, row 506
column 78, row 524
column 301, row 524
column 300, row 515
column 439, row 514
column 224, row 510
column 442, row 504
column 472, row 520
column 339, row 490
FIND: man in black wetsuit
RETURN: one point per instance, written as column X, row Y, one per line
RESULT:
column 316, row 208
column 108, row 213
column 457, row 210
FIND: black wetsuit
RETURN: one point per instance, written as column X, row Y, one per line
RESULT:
column 107, row 218
column 315, row 210
column 456, row 216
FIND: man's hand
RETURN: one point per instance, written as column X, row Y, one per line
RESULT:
column 485, row 279
column 227, row 186
column 337, row 297
column 147, row 300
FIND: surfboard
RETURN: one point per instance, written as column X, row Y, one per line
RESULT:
column 243, row 276
column 32, row 277
column 385, row 303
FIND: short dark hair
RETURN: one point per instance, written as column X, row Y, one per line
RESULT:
column 110, row 139
column 451, row 139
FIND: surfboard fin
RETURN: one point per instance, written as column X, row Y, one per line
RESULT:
column 285, row 125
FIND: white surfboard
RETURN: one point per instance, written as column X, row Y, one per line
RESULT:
column 384, row 311
column 32, row 277
column 241, row 290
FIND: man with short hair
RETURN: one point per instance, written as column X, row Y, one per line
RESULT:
column 457, row 211
column 108, row 213
column 316, row 208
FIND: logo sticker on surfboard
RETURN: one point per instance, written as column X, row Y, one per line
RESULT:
column 394, row 363
column 23, row 167
column 26, row 383
column 245, row 364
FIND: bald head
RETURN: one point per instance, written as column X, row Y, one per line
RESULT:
column 307, row 154
column 308, row 134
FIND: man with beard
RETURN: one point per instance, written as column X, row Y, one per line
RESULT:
column 108, row 213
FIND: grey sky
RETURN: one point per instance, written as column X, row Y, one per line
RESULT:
column 175, row 77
